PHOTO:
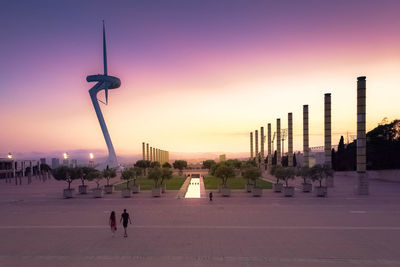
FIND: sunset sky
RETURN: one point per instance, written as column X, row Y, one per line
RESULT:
column 197, row 76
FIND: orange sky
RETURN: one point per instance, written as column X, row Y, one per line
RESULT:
column 204, row 95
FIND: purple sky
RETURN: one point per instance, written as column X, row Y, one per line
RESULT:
column 190, row 47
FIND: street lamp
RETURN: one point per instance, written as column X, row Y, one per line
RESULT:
column 91, row 160
column 10, row 156
column 66, row 161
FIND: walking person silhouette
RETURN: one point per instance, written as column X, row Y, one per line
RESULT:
column 113, row 223
column 124, row 219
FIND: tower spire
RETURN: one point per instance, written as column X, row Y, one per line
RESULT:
column 104, row 50
column 105, row 59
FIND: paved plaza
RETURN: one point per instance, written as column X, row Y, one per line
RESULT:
column 39, row 228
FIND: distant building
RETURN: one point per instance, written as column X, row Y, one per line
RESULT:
column 222, row 157
column 55, row 163
column 42, row 160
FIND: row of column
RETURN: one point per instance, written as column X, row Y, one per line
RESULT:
column 363, row 185
column 260, row 156
column 18, row 170
column 154, row 154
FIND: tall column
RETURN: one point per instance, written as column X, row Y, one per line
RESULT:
column 328, row 137
column 363, row 184
column 168, row 156
column 151, row 154
column 38, row 168
column 290, row 139
column 143, row 151
column 147, row 149
column 13, row 168
column 23, row 168
column 158, row 155
column 278, row 142
column 256, row 146
column 251, row 145
column 262, row 141
column 269, row 147
column 154, row 154
column 306, row 161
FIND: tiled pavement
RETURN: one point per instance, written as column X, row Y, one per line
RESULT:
column 39, row 228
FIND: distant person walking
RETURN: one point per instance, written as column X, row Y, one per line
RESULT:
column 124, row 219
column 113, row 223
column 210, row 195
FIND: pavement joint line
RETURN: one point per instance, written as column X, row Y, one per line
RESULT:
column 366, row 228
column 201, row 258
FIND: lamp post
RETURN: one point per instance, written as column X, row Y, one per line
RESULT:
column 66, row 161
column 91, row 160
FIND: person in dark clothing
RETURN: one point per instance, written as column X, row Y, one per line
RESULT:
column 210, row 195
column 113, row 223
column 124, row 219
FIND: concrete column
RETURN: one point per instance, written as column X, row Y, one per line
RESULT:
column 262, row 141
column 363, row 183
column 151, row 155
column 30, row 171
column 256, row 146
column 306, row 161
column 251, row 145
column 143, row 151
column 278, row 142
column 13, row 168
column 328, row 137
column 290, row 139
column 269, row 147
column 168, row 156
column 147, row 150
column 154, row 154
column 39, row 172
column 23, row 168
